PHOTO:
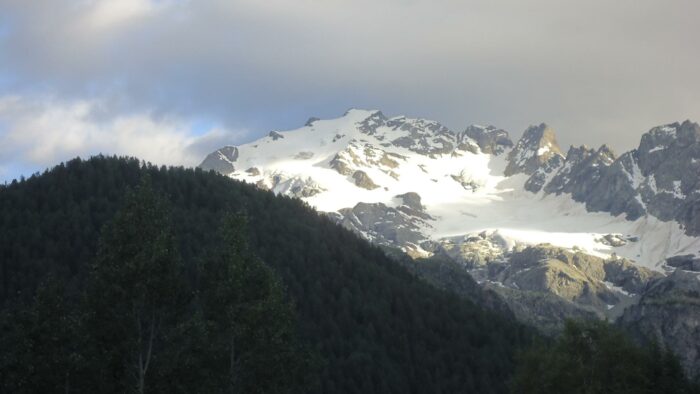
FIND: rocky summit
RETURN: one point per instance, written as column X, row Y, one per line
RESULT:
column 585, row 234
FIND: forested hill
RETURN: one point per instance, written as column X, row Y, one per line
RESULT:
column 377, row 328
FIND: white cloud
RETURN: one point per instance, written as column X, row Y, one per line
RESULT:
column 44, row 131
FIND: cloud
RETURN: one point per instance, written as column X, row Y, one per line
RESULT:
column 598, row 71
column 40, row 132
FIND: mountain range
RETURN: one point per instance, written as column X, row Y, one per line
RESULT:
column 584, row 233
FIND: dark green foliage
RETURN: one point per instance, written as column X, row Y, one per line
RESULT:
column 377, row 328
column 252, row 329
column 594, row 357
column 41, row 351
column 139, row 327
column 136, row 293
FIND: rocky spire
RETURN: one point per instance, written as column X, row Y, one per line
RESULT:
column 537, row 147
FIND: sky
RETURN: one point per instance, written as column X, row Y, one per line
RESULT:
column 169, row 81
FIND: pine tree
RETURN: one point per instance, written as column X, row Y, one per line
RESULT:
column 135, row 292
column 252, row 326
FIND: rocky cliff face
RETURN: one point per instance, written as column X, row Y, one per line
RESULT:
column 491, row 140
column 389, row 226
column 660, row 178
column 222, row 160
column 581, row 171
column 669, row 313
column 553, row 284
column 421, row 136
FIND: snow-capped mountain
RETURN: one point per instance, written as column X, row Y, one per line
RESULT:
column 462, row 184
column 580, row 235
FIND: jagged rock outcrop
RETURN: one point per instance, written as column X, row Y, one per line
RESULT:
column 386, row 226
column 467, row 180
column 464, row 144
column 357, row 156
column 275, row 135
column 661, row 177
column 669, row 157
column 669, row 313
column 370, row 125
column 310, row 121
column 573, row 276
column 615, row 240
column 628, row 276
column 411, row 200
column 475, row 250
column 581, row 171
column 539, row 178
column 537, row 148
column 491, row 140
column 340, row 165
column 616, row 191
column 411, row 205
column 221, row 160
column 293, row 186
column 422, row 136
column 546, row 285
column 363, row 180
column 688, row 262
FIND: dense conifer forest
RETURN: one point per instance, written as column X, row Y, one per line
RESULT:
column 118, row 276
column 366, row 323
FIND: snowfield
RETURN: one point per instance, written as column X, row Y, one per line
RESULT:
column 464, row 191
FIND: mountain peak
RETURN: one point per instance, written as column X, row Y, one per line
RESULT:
column 221, row 160
column 537, row 147
column 666, row 139
column 361, row 113
column 311, row 121
column 606, row 154
column 365, row 156
column 578, row 153
column 541, row 136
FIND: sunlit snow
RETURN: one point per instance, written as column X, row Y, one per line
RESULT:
column 496, row 203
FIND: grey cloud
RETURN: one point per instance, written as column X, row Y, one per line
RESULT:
column 598, row 71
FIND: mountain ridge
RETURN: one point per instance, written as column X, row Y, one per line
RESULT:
column 596, row 230
column 374, row 152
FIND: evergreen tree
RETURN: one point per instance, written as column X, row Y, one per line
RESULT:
column 252, row 327
column 135, row 293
